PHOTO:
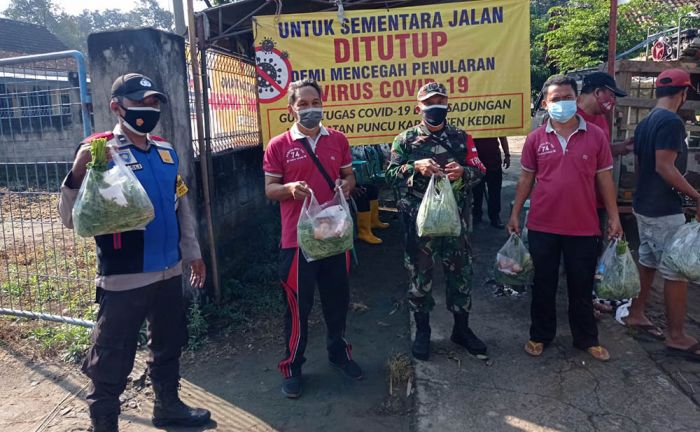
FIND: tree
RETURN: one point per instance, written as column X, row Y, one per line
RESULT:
column 578, row 31
column 540, row 70
column 73, row 30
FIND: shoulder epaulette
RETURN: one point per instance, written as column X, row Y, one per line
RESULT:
column 108, row 135
column 161, row 142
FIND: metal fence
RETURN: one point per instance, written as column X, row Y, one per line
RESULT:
column 231, row 110
column 45, row 270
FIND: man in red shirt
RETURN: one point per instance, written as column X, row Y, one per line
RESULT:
column 570, row 159
column 599, row 93
column 291, row 174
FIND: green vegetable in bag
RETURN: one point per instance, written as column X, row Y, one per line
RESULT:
column 514, row 264
column 110, row 200
column 324, row 230
column 617, row 277
column 438, row 215
column 683, row 253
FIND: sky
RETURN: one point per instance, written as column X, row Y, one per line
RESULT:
column 74, row 7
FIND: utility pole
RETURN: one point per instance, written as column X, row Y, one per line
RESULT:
column 179, row 13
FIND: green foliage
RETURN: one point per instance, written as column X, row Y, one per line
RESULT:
column 539, row 69
column 196, row 327
column 73, row 30
column 69, row 341
column 578, row 31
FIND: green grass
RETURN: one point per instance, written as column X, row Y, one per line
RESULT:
column 49, row 272
column 250, row 290
column 68, row 341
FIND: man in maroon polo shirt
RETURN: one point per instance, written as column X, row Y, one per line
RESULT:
column 599, row 93
column 290, row 176
column 570, row 159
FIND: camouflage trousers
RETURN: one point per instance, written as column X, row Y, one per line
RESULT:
column 420, row 255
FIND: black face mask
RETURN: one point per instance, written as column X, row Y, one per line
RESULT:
column 435, row 115
column 141, row 120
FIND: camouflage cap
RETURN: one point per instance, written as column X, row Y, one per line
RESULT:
column 431, row 89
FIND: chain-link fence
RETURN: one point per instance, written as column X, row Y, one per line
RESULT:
column 45, row 270
column 231, row 111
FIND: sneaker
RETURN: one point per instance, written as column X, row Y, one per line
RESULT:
column 291, row 387
column 350, row 368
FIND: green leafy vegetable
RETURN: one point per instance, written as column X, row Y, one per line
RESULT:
column 438, row 215
column 683, row 253
column 617, row 277
column 315, row 248
column 110, row 200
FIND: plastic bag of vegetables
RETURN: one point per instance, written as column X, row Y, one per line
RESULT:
column 683, row 253
column 324, row 230
column 438, row 215
column 110, row 200
column 513, row 263
column 617, row 277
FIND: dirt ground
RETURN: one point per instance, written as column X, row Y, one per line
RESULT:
column 236, row 376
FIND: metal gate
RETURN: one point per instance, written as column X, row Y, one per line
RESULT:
column 46, row 271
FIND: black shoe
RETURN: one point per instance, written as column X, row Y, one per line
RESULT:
column 497, row 223
column 108, row 423
column 421, row 342
column 169, row 410
column 350, row 368
column 291, row 387
column 464, row 336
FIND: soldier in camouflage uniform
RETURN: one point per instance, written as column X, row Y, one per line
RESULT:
column 435, row 147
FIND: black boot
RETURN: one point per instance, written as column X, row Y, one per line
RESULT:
column 421, row 343
column 170, row 410
column 464, row 336
column 109, row 423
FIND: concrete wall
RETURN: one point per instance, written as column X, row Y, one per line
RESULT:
column 239, row 205
column 160, row 56
column 49, row 146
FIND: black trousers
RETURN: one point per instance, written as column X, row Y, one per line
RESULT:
column 299, row 279
column 371, row 194
column 491, row 186
column 115, row 336
column 580, row 255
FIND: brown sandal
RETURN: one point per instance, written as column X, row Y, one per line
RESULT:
column 598, row 353
column 534, row 348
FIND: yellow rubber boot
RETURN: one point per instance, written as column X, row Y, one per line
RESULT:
column 364, row 231
column 374, row 211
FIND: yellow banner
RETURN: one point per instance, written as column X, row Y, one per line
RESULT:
column 371, row 63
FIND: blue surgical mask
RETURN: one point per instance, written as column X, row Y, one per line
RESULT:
column 562, row 111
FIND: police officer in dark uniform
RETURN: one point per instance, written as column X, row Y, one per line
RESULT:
column 435, row 147
column 139, row 273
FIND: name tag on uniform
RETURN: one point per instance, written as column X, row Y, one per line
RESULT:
column 165, row 156
column 180, row 187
